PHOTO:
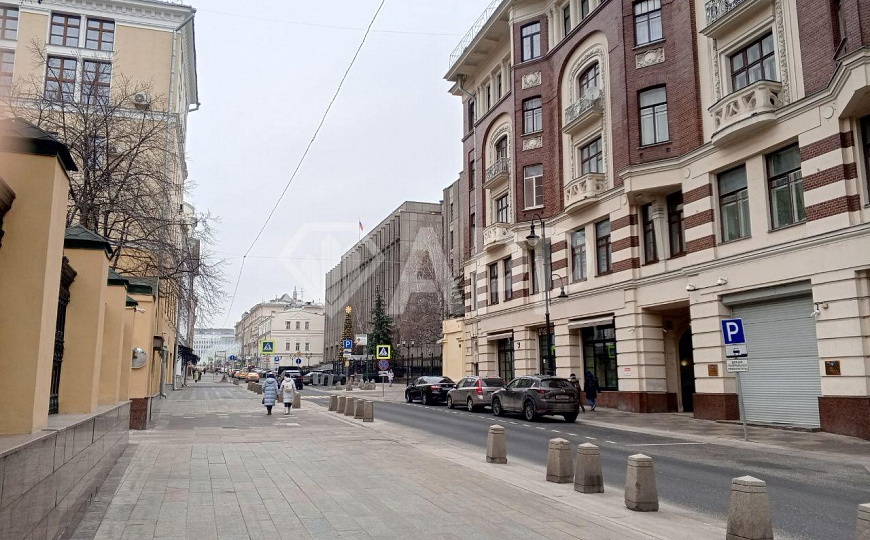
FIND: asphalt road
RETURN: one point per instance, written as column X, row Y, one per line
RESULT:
column 810, row 498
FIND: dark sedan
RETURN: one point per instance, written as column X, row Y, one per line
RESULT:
column 536, row 396
column 429, row 390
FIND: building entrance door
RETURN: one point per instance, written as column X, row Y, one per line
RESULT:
column 506, row 359
column 687, row 371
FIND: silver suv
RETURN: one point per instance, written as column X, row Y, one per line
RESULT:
column 474, row 392
column 538, row 395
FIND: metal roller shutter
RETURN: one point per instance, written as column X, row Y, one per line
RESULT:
column 783, row 383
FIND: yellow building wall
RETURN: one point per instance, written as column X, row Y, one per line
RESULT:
column 30, row 263
column 32, row 32
column 453, row 360
column 144, row 55
column 143, row 338
column 126, row 354
column 113, row 338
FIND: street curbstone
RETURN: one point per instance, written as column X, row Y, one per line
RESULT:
column 641, row 494
column 588, row 477
column 560, row 466
column 862, row 528
column 749, row 510
column 496, row 445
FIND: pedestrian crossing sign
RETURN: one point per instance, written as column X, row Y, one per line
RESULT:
column 383, row 352
column 267, row 347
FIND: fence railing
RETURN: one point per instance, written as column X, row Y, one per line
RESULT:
column 475, row 28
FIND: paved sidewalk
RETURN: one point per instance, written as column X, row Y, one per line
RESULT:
column 215, row 466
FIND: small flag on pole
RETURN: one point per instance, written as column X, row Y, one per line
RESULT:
column 361, row 226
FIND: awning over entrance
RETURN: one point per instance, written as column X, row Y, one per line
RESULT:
column 499, row 336
column 585, row 323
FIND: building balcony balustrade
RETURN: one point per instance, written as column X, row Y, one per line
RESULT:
column 745, row 110
column 724, row 15
column 584, row 111
column 497, row 172
column 583, row 191
column 496, row 235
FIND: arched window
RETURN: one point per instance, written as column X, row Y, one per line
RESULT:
column 501, row 148
column 589, row 80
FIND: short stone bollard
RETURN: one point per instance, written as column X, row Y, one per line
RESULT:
column 560, row 466
column 333, row 402
column 236, row 382
column 329, row 379
column 348, row 406
column 749, row 510
column 359, row 408
column 862, row 528
column 251, row 386
column 297, row 400
column 496, row 445
column 348, row 387
column 342, row 400
column 641, row 494
column 369, row 412
column 587, row 469
column 258, row 388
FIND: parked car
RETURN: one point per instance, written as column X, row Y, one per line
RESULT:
column 307, row 378
column 429, row 390
column 474, row 392
column 536, row 396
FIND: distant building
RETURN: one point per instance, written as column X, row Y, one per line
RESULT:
column 213, row 344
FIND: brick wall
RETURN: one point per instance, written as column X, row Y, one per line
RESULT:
column 816, row 25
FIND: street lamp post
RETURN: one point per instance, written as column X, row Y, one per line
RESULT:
column 533, row 239
column 407, row 360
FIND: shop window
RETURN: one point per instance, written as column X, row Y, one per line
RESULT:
column 599, row 354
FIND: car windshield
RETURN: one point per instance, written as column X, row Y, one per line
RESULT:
column 492, row 382
column 556, row 383
column 437, row 380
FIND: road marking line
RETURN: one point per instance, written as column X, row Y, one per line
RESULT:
column 514, row 423
column 572, row 435
column 526, row 425
column 540, row 428
column 591, row 438
column 555, row 431
column 611, row 442
column 667, row 444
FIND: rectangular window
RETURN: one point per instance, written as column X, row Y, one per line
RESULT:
column 566, row 18
column 498, row 86
column 287, row 346
column 734, row 204
column 288, row 325
column 599, row 355
column 472, row 179
column 649, row 234
column 578, row 255
column 307, row 325
column 8, row 22
column 451, row 239
column 65, row 30
column 60, row 79
column 532, row 117
column 488, row 96
column 298, row 325
column 508, row 279
column 676, row 224
column 297, row 346
column 604, row 252
column 100, row 35
column 501, row 209
column 473, row 286
column 307, row 346
column 865, row 138
column 841, row 21
column 493, row 284
column 96, row 82
column 786, row 187
column 584, row 8
column 472, row 114
column 472, row 226
column 531, row 41
column 653, row 116
column 7, row 66
column 533, row 176
column 647, row 21
column 590, row 158
column 753, row 63
column 533, row 272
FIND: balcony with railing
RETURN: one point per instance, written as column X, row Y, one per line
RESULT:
column 497, row 173
column 723, row 15
column 496, row 235
column 745, row 110
column 584, row 111
column 481, row 26
column 583, row 191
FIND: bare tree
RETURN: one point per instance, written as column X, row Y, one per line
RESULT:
column 131, row 179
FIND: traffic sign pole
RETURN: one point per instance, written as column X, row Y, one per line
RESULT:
column 742, row 408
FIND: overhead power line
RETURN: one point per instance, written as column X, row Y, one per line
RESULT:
column 304, row 155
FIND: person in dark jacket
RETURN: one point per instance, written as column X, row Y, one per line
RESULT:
column 590, row 386
column 576, row 384
column 270, row 392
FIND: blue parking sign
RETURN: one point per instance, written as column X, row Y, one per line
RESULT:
column 348, row 344
column 732, row 331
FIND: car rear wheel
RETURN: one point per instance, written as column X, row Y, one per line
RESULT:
column 529, row 412
column 571, row 418
column 449, row 402
column 470, row 405
column 426, row 399
column 408, row 397
column 496, row 407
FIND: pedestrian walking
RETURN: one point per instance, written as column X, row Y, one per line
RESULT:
column 270, row 392
column 590, row 386
column 575, row 382
column 288, row 391
column 390, row 376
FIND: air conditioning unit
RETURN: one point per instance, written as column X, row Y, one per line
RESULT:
column 142, row 100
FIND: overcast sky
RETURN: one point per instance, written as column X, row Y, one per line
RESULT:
column 267, row 70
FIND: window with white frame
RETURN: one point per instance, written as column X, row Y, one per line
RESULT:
column 502, row 209
column 734, row 204
column 753, row 63
column 588, row 80
column 590, row 158
column 786, row 187
column 578, row 255
column 7, row 65
column 532, row 115
column 8, row 22
column 566, row 18
column 653, row 116
column 531, row 41
column 647, row 21
column 533, row 179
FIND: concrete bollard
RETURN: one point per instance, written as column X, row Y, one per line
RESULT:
column 297, row 400
column 333, row 402
column 641, row 494
column 496, row 445
column 342, row 401
column 348, row 406
column 369, row 412
column 359, row 405
column 749, row 510
column 348, row 387
column 587, row 469
column 330, row 378
column 250, row 386
column 560, row 466
column 258, row 388
column 862, row 529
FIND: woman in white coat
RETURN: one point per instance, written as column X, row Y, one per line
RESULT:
column 288, row 389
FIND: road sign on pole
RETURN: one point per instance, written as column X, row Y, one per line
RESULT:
column 732, row 331
column 383, row 352
column 277, row 359
column 298, row 361
column 348, row 344
column 736, row 353
column 383, row 365
column 267, row 347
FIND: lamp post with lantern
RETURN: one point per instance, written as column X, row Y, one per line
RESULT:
column 533, row 239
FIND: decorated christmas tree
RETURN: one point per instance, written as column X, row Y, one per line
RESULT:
column 347, row 333
column 382, row 325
